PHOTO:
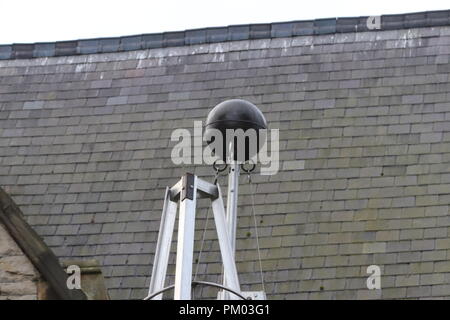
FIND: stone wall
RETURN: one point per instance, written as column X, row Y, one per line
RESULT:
column 364, row 125
column 18, row 277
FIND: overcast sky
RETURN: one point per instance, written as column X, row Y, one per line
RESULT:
column 49, row 20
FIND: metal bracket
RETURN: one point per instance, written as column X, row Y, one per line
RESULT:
column 204, row 188
column 248, row 295
column 187, row 186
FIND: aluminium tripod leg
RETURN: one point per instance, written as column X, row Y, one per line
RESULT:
column 185, row 244
column 162, row 252
column 229, row 264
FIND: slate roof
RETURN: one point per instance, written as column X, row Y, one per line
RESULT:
column 364, row 126
column 222, row 34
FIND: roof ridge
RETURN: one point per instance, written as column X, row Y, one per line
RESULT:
column 223, row 34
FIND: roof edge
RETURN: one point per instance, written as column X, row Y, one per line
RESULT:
column 223, row 34
column 40, row 255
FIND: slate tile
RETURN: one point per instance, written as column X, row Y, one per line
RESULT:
column 282, row 29
column 109, row 44
column 89, row 46
column 217, row 34
column 303, row 28
column 239, row 32
column 391, row 22
column 22, row 51
column 152, row 41
column 66, row 48
column 260, row 31
column 6, row 51
column 324, row 26
column 195, row 36
column 131, row 43
column 173, row 39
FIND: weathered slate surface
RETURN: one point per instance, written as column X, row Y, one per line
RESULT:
column 224, row 34
column 364, row 125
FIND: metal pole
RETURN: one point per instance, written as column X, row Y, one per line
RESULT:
column 185, row 245
column 163, row 245
column 232, row 201
column 230, row 271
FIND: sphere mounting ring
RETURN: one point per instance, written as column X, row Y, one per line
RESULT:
column 217, row 167
column 249, row 169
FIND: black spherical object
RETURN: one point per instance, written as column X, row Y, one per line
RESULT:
column 236, row 114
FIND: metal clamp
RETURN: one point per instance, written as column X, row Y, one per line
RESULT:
column 251, row 169
column 218, row 169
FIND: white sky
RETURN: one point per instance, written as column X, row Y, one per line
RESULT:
column 49, row 20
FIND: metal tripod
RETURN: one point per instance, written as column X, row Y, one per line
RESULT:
column 186, row 192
